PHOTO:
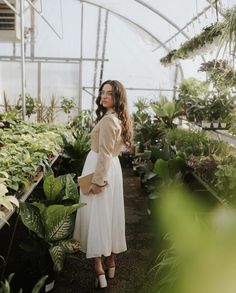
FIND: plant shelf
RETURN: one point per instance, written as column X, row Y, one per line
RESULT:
column 26, row 194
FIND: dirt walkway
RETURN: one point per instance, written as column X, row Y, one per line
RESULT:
column 133, row 265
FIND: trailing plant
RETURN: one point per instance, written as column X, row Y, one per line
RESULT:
column 187, row 49
column 221, row 74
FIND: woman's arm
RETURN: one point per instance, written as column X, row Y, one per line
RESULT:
column 107, row 139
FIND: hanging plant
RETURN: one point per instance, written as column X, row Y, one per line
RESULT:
column 221, row 74
column 187, row 49
column 225, row 31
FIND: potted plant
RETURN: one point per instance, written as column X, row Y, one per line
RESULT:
column 51, row 224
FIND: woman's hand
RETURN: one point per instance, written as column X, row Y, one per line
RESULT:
column 94, row 189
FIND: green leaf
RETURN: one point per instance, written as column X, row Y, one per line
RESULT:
column 58, row 256
column 58, row 252
column 58, row 224
column 71, row 189
column 70, row 246
column 38, row 286
column 161, row 169
column 30, row 216
column 52, row 187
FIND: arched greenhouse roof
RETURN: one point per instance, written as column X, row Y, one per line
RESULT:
column 71, row 45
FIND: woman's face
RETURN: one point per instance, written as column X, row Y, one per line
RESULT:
column 107, row 99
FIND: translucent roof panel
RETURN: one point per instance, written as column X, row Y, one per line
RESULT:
column 139, row 34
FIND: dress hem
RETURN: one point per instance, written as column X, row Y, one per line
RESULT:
column 105, row 255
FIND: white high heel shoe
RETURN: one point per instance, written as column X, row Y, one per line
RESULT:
column 101, row 281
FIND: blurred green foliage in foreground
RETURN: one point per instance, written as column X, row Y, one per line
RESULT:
column 200, row 255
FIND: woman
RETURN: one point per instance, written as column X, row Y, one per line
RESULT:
column 100, row 225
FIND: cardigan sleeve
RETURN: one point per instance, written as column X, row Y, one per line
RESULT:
column 107, row 139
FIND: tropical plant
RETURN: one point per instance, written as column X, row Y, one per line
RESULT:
column 191, row 98
column 77, row 147
column 166, row 110
column 5, row 285
column 191, row 249
column 51, row 110
column 67, row 105
column 146, row 129
column 29, row 105
column 52, row 220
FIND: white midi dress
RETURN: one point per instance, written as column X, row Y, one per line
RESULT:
column 100, row 224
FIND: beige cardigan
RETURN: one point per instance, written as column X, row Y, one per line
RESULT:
column 106, row 141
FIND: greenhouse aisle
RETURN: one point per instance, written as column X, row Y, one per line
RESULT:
column 133, row 265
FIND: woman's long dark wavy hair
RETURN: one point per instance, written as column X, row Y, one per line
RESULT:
column 120, row 107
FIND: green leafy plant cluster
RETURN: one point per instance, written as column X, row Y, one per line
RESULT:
column 24, row 146
column 221, row 74
column 199, row 245
column 146, row 129
column 206, row 37
column 77, row 146
column 5, row 285
column 166, row 110
column 52, row 219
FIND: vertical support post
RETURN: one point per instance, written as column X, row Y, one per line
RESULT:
column 96, row 56
column 175, row 81
column 32, row 32
column 104, row 48
column 81, row 58
column 22, row 58
column 39, row 100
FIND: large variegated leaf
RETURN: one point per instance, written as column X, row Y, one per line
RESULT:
column 58, row 224
column 71, row 189
column 52, row 187
column 41, row 206
column 58, row 252
column 58, row 256
column 30, row 216
column 70, row 246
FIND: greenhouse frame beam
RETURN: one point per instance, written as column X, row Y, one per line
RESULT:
column 186, row 25
column 104, row 47
column 214, row 6
column 163, row 17
column 129, row 20
column 80, row 81
column 45, row 20
column 96, row 54
column 47, row 59
column 134, row 89
column 11, row 6
column 139, row 26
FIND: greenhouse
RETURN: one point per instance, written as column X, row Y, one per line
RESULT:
column 117, row 146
